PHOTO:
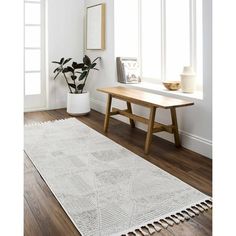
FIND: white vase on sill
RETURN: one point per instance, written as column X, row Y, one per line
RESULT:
column 78, row 103
column 188, row 80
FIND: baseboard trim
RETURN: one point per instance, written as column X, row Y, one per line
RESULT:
column 196, row 144
column 190, row 141
column 35, row 109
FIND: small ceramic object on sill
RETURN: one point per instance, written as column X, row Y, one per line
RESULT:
column 172, row 85
column 188, row 80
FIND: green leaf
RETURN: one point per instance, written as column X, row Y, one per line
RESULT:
column 73, row 77
column 80, row 86
column 93, row 65
column 65, row 70
column 56, row 62
column 74, row 64
column 57, row 75
column 84, row 68
column 79, row 66
column 72, row 85
column 68, row 69
column 87, row 60
column 83, row 75
column 96, row 59
column 57, row 69
column 66, row 61
column 71, row 69
column 62, row 60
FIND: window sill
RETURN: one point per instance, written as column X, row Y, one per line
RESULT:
column 160, row 89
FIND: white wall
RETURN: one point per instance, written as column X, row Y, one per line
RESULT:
column 195, row 123
column 106, row 75
column 64, row 29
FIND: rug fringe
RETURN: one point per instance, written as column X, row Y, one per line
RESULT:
column 164, row 222
column 48, row 122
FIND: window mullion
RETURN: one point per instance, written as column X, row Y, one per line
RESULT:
column 33, row 2
column 140, row 36
column 39, row 25
column 32, row 48
column 163, row 40
column 32, row 71
column 193, row 33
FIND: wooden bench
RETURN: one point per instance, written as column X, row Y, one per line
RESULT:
column 149, row 100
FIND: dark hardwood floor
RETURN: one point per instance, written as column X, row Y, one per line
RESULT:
column 44, row 215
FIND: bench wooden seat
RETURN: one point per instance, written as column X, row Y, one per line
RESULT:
column 146, row 99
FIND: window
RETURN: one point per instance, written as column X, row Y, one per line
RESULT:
column 150, row 38
column 126, row 21
column 32, row 47
column 170, row 38
column 33, row 53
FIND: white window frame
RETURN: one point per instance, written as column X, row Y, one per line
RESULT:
column 192, row 37
column 37, row 101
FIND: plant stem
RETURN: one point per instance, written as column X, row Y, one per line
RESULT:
column 67, row 82
column 76, row 91
column 84, row 82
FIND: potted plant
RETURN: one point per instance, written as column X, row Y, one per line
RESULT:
column 75, row 75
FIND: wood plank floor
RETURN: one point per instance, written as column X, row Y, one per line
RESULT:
column 44, row 215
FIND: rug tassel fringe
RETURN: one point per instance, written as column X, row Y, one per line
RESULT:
column 46, row 122
column 195, row 210
column 158, row 225
column 169, row 221
column 151, row 229
column 204, row 206
column 163, row 223
column 180, row 217
column 144, row 232
column 209, row 204
column 190, row 212
column 157, row 228
column 200, row 208
column 175, row 219
column 185, row 214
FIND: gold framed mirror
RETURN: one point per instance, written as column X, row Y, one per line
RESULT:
column 95, row 27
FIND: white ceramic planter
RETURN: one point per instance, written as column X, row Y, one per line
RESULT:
column 188, row 80
column 78, row 104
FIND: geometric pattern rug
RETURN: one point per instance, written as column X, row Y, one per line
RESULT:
column 104, row 188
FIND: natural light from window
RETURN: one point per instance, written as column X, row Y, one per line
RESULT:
column 150, row 33
column 32, row 47
column 177, row 26
column 126, row 31
column 165, row 34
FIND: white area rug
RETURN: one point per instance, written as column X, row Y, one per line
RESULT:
column 104, row 188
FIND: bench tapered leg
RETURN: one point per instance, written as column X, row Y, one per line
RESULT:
column 175, row 124
column 107, row 115
column 150, row 129
column 130, row 111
